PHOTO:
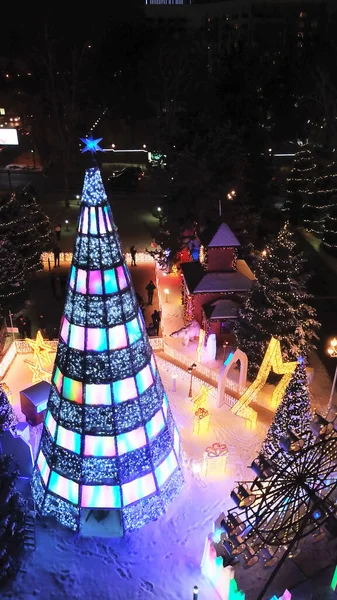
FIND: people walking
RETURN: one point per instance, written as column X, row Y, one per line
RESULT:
column 42, row 324
column 150, row 290
column 156, row 318
column 56, row 253
column 20, row 325
column 58, row 232
column 133, row 253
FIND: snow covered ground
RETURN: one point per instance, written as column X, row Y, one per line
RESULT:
column 161, row 560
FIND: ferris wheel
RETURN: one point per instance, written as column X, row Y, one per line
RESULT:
column 294, row 494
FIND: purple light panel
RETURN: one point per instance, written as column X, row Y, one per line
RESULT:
column 95, row 282
column 101, row 496
column 122, row 280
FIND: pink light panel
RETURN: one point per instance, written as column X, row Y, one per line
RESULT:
column 138, row 488
column 97, row 394
column 68, row 439
column 99, row 445
column 125, row 389
column 50, row 424
column 122, row 280
column 126, row 442
column 64, row 330
column 76, row 338
column 155, row 425
column 43, row 467
column 101, row 496
column 65, row 488
column 117, row 337
column 144, row 379
column 101, row 224
column 166, row 468
column 95, row 282
column 81, row 281
column 96, row 339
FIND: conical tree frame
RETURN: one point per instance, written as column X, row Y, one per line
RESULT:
column 109, row 440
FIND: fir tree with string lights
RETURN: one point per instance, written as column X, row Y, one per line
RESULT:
column 277, row 305
column 300, row 183
column 11, row 521
column 109, row 441
column 8, row 418
column 293, row 413
column 329, row 229
column 26, row 227
column 12, row 278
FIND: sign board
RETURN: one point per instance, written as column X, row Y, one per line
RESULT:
column 12, row 330
column 9, row 137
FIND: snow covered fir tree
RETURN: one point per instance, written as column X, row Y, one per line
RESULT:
column 300, row 183
column 293, row 413
column 8, row 418
column 277, row 305
column 11, row 521
column 12, row 277
column 109, row 441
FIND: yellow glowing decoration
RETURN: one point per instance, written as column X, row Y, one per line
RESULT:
column 42, row 350
column 272, row 361
column 6, row 390
column 40, row 372
column 174, row 270
column 200, row 399
column 215, row 459
column 201, row 421
column 200, row 344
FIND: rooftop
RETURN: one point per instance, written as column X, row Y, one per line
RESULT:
column 219, row 236
column 221, row 309
column 198, row 280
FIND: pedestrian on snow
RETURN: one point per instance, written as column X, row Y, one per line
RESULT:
column 20, row 326
column 27, row 324
column 150, row 289
column 56, row 253
column 58, row 232
column 133, row 253
column 156, row 318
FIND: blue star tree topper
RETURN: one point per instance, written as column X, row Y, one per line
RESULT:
column 91, row 145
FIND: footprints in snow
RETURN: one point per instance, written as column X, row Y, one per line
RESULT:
column 124, row 573
column 146, row 586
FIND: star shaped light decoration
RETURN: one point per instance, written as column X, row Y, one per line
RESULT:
column 40, row 373
column 42, row 350
column 91, row 145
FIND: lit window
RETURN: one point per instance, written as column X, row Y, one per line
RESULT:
column 138, row 488
column 65, row 488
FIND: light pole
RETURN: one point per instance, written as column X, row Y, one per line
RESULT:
column 67, row 224
column 190, row 371
column 166, row 292
column 33, row 153
column 332, row 351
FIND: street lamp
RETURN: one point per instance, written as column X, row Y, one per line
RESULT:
column 190, row 371
column 67, row 224
column 332, row 351
column 166, row 292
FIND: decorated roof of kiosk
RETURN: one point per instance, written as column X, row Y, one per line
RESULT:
column 219, row 236
column 199, row 281
column 109, row 440
column 221, row 309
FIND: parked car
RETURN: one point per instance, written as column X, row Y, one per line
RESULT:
column 127, row 178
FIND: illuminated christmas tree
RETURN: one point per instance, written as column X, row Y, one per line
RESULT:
column 8, row 418
column 276, row 305
column 109, row 441
column 329, row 230
column 300, row 183
column 293, row 413
column 12, row 277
